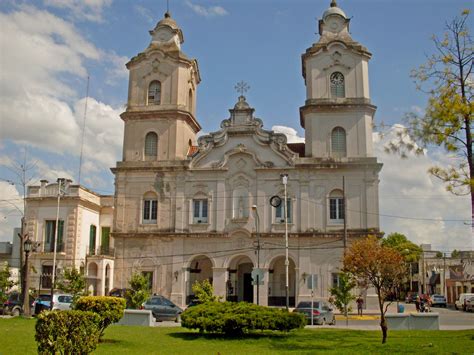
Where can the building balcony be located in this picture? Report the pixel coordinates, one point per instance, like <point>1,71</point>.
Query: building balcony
<point>101,251</point>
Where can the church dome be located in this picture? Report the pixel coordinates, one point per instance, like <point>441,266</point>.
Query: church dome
<point>168,21</point>
<point>334,10</point>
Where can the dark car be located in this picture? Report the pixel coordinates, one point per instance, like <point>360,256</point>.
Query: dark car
<point>322,312</point>
<point>13,305</point>
<point>411,297</point>
<point>118,292</point>
<point>438,301</point>
<point>163,309</point>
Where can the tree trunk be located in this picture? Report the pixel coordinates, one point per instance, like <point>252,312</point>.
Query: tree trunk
<point>383,321</point>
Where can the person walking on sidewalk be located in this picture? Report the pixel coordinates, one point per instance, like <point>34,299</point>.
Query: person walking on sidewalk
<point>360,304</point>
<point>417,303</point>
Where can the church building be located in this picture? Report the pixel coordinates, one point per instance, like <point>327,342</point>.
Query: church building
<point>189,208</point>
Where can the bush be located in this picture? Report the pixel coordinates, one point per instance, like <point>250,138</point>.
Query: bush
<point>236,319</point>
<point>204,292</point>
<point>138,291</point>
<point>67,332</point>
<point>109,309</point>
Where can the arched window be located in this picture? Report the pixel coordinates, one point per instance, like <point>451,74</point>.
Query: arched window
<point>154,93</point>
<point>151,146</point>
<point>337,85</point>
<point>150,208</point>
<point>338,142</point>
<point>190,100</point>
<point>336,206</point>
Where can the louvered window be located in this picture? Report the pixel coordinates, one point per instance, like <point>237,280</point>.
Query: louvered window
<point>154,93</point>
<point>337,85</point>
<point>338,142</point>
<point>151,145</point>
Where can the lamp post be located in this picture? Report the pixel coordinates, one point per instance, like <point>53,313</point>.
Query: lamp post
<point>257,230</point>
<point>27,246</point>
<point>284,179</point>
<point>61,191</point>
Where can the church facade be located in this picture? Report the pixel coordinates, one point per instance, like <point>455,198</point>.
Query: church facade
<point>188,208</point>
<point>213,208</point>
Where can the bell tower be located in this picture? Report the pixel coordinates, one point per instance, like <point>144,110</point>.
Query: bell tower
<point>337,115</point>
<point>160,120</point>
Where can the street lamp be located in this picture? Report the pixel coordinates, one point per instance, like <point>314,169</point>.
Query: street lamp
<point>284,180</point>
<point>27,247</point>
<point>61,191</point>
<point>257,231</point>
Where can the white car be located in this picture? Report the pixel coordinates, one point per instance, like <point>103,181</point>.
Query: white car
<point>61,302</point>
<point>461,302</point>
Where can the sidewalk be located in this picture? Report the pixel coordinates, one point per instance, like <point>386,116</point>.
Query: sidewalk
<point>392,308</point>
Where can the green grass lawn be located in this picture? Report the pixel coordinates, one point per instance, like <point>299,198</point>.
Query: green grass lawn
<point>17,337</point>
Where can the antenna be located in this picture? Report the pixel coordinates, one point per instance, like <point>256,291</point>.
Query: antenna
<point>83,132</point>
<point>167,6</point>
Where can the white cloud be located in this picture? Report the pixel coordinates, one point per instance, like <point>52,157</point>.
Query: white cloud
<point>89,10</point>
<point>291,134</point>
<point>116,71</point>
<point>11,209</point>
<point>407,190</point>
<point>209,11</point>
<point>37,106</point>
<point>144,12</point>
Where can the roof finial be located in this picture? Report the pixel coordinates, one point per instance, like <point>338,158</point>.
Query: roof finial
<point>333,3</point>
<point>167,13</point>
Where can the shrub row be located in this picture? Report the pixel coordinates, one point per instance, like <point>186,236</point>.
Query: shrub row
<point>67,332</point>
<point>110,309</point>
<point>77,331</point>
<point>235,319</point>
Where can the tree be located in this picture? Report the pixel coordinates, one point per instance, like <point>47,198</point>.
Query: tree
<point>204,292</point>
<point>455,253</point>
<point>381,266</point>
<point>439,254</point>
<point>73,282</point>
<point>410,251</point>
<point>139,291</point>
<point>448,117</point>
<point>342,293</point>
<point>5,282</point>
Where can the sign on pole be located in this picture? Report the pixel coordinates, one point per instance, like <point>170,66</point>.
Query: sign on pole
<point>257,274</point>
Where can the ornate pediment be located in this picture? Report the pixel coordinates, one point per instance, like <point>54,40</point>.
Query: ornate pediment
<point>244,126</point>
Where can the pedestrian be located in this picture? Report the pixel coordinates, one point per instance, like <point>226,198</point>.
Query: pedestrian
<point>417,303</point>
<point>360,304</point>
<point>428,303</point>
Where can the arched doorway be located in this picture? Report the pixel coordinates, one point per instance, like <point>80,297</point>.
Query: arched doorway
<point>277,282</point>
<point>107,280</point>
<point>200,269</point>
<point>92,272</point>
<point>239,281</point>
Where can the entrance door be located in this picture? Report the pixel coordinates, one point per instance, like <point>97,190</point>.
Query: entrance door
<point>248,288</point>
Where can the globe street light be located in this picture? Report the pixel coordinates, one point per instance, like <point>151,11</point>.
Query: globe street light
<point>27,247</point>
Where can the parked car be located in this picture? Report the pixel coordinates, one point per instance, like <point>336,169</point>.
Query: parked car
<point>322,312</point>
<point>461,302</point>
<point>470,304</point>
<point>61,302</point>
<point>163,309</point>
<point>13,305</point>
<point>411,297</point>
<point>438,301</point>
<point>118,292</point>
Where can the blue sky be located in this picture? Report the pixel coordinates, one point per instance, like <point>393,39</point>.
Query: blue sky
<point>49,47</point>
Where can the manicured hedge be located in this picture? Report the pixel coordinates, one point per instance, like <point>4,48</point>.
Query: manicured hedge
<point>233,318</point>
<point>67,332</point>
<point>109,309</point>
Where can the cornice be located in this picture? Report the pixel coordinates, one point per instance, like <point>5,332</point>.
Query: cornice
<point>131,115</point>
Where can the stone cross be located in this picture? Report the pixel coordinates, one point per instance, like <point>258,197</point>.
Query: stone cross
<point>242,87</point>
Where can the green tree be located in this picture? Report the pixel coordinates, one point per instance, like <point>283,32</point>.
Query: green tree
<point>138,292</point>
<point>342,293</point>
<point>73,282</point>
<point>5,282</point>
<point>439,254</point>
<point>447,121</point>
<point>410,251</point>
<point>204,292</point>
<point>455,253</point>
<point>382,267</point>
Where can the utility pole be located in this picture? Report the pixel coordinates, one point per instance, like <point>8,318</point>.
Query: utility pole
<point>257,230</point>
<point>445,293</point>
<point>344,201</point>
<point>61,181</point>
<point>284,178</point>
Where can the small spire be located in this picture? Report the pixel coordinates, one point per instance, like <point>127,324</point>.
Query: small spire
<point>167,14</point>
<point>333,3</point>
